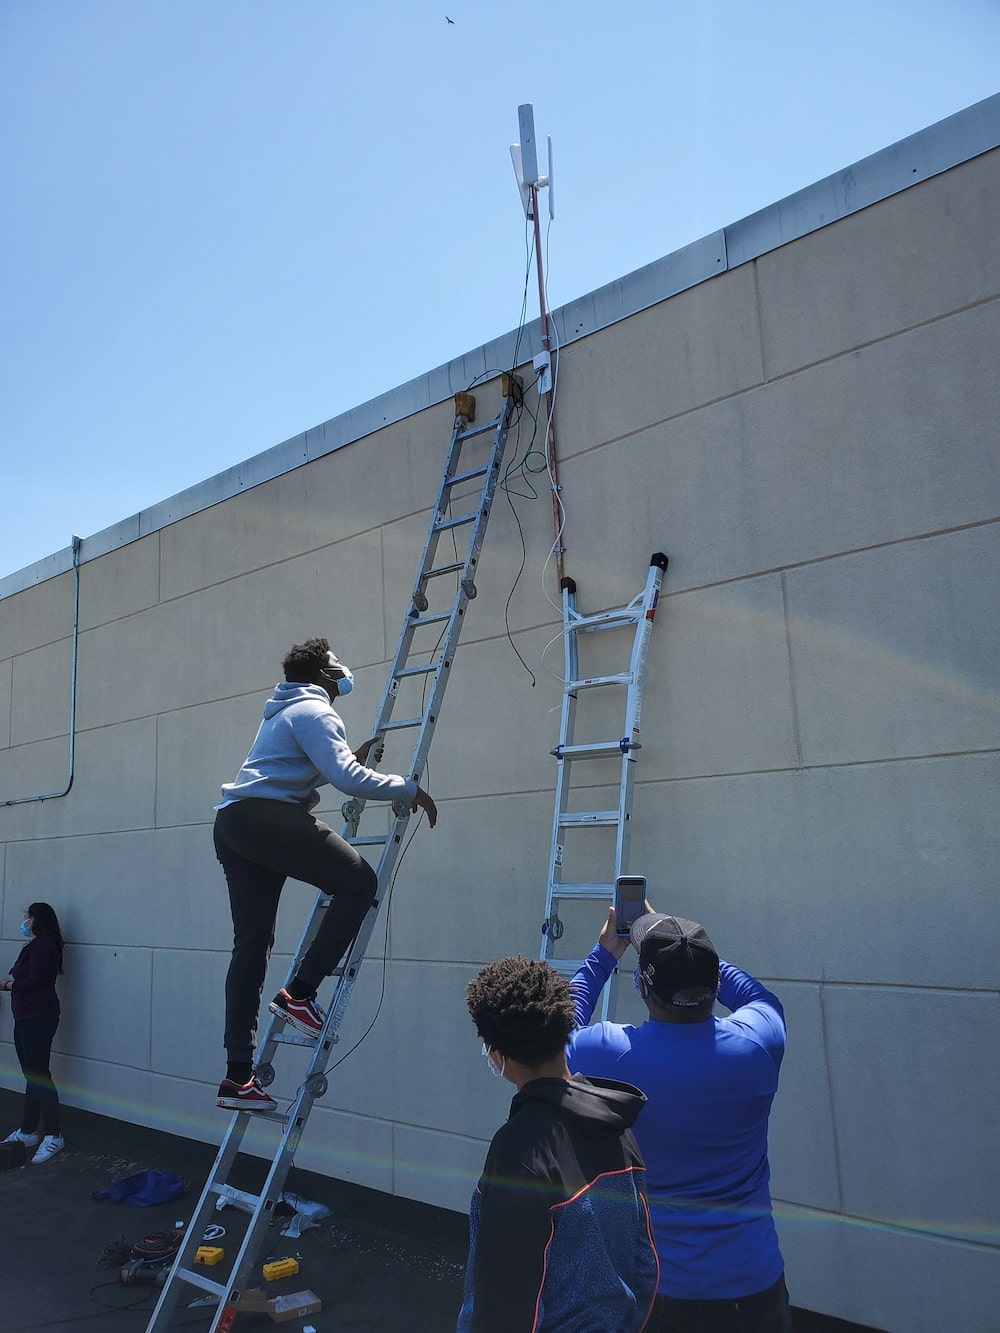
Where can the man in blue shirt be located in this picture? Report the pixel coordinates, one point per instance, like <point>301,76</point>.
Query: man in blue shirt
<point>709,1084</point>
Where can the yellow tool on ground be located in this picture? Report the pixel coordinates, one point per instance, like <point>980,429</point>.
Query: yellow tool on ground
<point>208,1254</point>
<point>280,1268</point>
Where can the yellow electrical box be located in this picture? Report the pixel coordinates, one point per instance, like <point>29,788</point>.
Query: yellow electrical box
<point>208,1254</point>
<point>280,1268</point>
<point>465,406</point>
<point>511,385</point>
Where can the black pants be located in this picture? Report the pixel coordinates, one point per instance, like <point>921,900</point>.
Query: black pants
<point>260,843</point>
<point>33,1044</point>
<point>763,1312</point>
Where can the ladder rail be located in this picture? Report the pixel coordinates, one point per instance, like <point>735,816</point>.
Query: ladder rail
<point>315,1082</point>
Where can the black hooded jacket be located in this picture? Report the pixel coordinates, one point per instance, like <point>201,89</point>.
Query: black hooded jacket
<point>559,1225</point>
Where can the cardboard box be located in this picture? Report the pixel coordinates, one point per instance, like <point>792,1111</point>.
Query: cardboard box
<point>293,1305</point>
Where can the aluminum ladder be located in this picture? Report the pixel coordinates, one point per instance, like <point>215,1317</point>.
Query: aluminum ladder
<point>420,667</point>
<point>636,616</point>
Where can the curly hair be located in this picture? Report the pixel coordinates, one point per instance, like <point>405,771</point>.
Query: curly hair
<point>305,661</point>
<point>45,922</point>
<point>522,1008</point>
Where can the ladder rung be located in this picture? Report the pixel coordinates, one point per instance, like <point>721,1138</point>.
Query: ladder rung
<point>239,1198</point>
<point>435,619</point>
<point>597,750</point>
<point>402,724</point>
<point>446,524</point>
<point>606,620</point>
<point>444,569</point>
<point>465,476</point>
<point>566,966</point>
<point>202,1280</point>
<point>286,1036</point>
<point>419,670</point>
<point>370,840</point>
<point>621,678</point>
<point>586,818</point>
<point>478,430</point>
<point>603,891</point>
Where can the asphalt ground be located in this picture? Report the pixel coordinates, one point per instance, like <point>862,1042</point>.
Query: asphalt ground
<point>377,1263</point>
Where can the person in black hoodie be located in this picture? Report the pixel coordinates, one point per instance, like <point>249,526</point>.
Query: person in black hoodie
<point>559,1226</point>
<point>35,1007</point>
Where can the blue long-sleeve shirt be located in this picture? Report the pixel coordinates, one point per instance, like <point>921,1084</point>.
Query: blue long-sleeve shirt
<point>703,1131</point>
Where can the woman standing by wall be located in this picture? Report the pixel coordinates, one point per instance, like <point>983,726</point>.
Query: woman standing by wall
<point>35,1007</point>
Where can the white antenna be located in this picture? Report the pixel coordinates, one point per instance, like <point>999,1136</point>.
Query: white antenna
<point>525,160</point>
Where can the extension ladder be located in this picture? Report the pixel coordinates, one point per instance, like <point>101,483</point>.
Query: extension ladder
<point>636,616</point>
<point>421,666</point>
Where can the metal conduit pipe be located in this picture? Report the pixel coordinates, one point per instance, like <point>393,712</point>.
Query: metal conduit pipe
<point>53,795</point>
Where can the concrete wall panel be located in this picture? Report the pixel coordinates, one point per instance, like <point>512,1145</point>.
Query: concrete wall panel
<point>679,355</point>
<point>113,784</point>
<point>856,860</point>
<point>855,282</point>
<point>40,693</point>
<point>186,1013</point>
<point>357,1148</point>
<point>128,890</point>
<point>442,1169</point>
<point>875,447</point>
<point>890,1279</point>
<point>476,883</point>
<point>105,998</point>
<point>896,1059</point>
<point>6,676</point>
<point>39,615</point>
<point>197,750</point>
<point>802,1138</point>
<point>896,651</point>
<point>719,683</point>
<point>487,683</point>
<point>344,494</point>
<point>29,771</point>
<point>261,614</point>
<point>120,583</point>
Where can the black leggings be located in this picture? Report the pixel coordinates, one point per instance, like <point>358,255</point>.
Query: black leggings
<point>260,843</point>
<point>33,1044</point>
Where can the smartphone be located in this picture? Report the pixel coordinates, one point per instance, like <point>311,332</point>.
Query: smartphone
<point>630,901</point>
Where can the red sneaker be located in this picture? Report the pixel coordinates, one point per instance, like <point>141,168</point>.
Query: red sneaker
<point>304,1016</point>
<point>248,1097</point>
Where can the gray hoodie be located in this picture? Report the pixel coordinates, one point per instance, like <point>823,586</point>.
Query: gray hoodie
<point>300,746</point>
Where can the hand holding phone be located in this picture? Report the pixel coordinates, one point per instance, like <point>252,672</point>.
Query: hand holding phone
<point>630,901</point>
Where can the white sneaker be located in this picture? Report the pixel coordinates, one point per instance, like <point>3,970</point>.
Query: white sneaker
<point>50,1145</point>
<point>29,1140</point>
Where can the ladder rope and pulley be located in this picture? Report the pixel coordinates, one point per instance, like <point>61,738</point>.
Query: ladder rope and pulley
<point>458,489</point>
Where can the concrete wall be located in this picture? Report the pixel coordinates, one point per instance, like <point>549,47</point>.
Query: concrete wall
<point>812,438</point>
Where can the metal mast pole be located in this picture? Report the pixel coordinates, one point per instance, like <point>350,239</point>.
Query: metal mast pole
<point>550,426</point>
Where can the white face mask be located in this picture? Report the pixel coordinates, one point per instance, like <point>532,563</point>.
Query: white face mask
<point>497,1073</point>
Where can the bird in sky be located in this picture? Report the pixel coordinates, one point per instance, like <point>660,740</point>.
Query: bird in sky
<point>451,21</point>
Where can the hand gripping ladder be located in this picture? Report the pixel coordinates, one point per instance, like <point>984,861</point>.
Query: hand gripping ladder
<point>427,679</point>
<point>636,616</point>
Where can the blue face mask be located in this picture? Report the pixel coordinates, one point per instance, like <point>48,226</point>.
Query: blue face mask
<point>26,930</point>
<point>346,684</point>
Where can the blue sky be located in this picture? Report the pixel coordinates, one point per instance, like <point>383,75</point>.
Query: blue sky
<point>225,221</point>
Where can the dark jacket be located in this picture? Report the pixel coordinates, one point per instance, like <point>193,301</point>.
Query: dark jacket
<point>33,994</point>
<point>559,1226</point>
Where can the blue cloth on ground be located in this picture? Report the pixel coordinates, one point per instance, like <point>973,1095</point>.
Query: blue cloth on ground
<point>143,1189</point>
